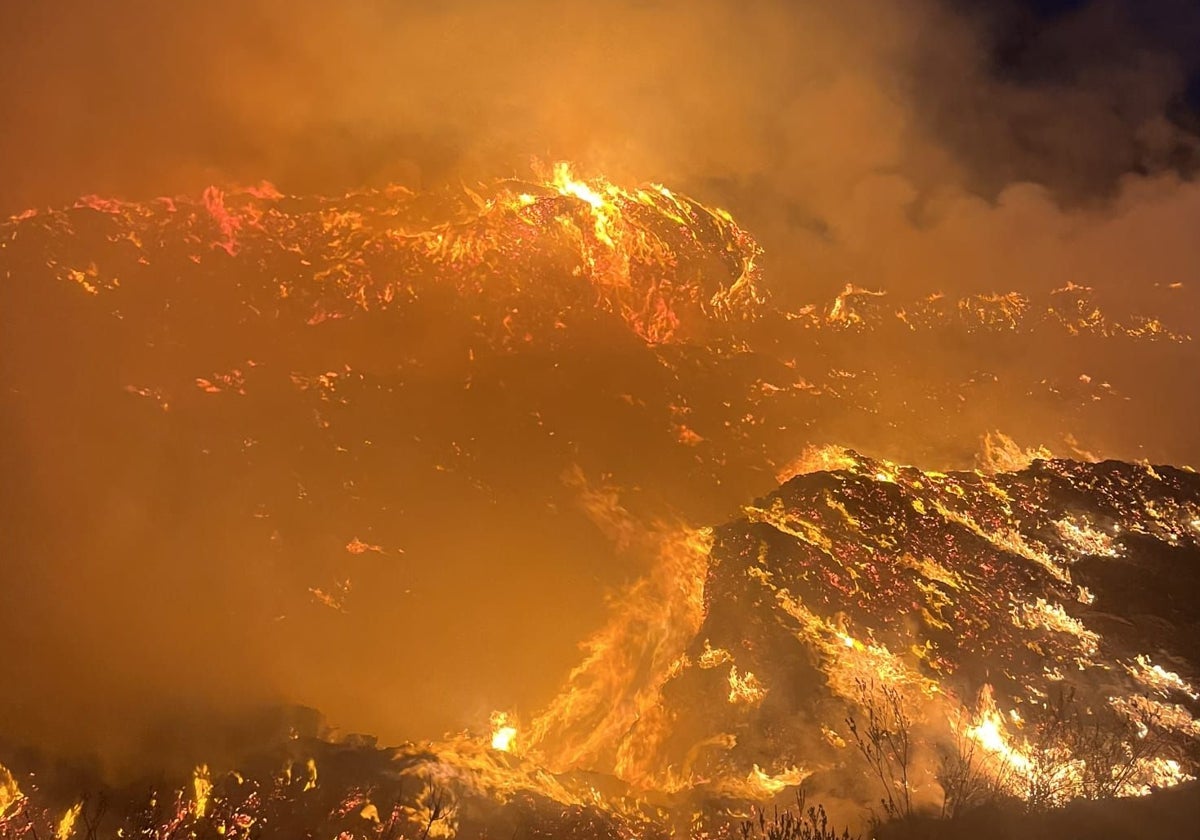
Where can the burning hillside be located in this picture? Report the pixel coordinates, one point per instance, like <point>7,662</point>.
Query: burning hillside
<point>1037,623</point>
<point>982,600</point>
<point>361,452</point>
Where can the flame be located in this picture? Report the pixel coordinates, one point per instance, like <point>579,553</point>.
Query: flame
<point>712,657</point>
<point>10,793</point>
<point>991,733</point>
<point>1159,679</point>
<point>769,784</point>
<point>201,790</point>
<point>745,688</point>
<point>1054,618</point>
<point>566,184</point>
<point>503,732</point>
<point>637,248</point>
<point>1086,539</point>
<point>66,825</point>
<point>817,459</point>
<point>609,715</point>
<point>1002,595</point>
<point>843,313</point>
<point>1000,453</point>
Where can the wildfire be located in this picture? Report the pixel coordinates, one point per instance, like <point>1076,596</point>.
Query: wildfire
<point>10,793</point>
<point>770,784</point>
<point>745,688</point>
<point>990,732</point>
<point>604,210</point>
<point>858,571</point>
<point>66,826</point>
<point>632,247</point>
<point>1159,679</point>
<point>503,732</point>
<point>201,790</point>
<point>609,715</point>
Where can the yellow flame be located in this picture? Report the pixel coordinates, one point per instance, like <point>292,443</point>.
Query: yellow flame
<point>66,825</point>
<point>712,657</point>
<point>566,184</point>
<point>990,732</point>
<point>614,697</point>
<point>603,211</point>
<point>201,789</point>
<point>1000,453</point>
<point>1086,539</point>
<point>745,688</point>
<point>772,784</point>
<point>818,459</point>
<point>503,732</point>
<point>10,792</point>
<point>1159,679</point>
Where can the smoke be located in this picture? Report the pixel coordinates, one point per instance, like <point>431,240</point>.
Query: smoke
<point>915,147</point>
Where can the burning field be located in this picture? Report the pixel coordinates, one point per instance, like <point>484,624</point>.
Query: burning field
<point>631,420</point>
<point>297,423</point>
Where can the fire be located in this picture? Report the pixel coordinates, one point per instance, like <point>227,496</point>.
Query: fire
<point>637,248</point>
<point>817,459</point>
<point>745,688</point>
<point>1086,539</point>
<point>503,732</point>
<point>843,311</point>
<point>770,784</point>
<point>10,793</point>
<point>568,185</point>
<point>872,569</point>
<point>991,733</point>
<point>1000,453</point>
<point>202,787</point>
<point>613,698</point>
<point>66,825</point>
<point>1054,618</point>
<point>603,210</point>
<point>712,657</point>
<point>1159,679</point>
